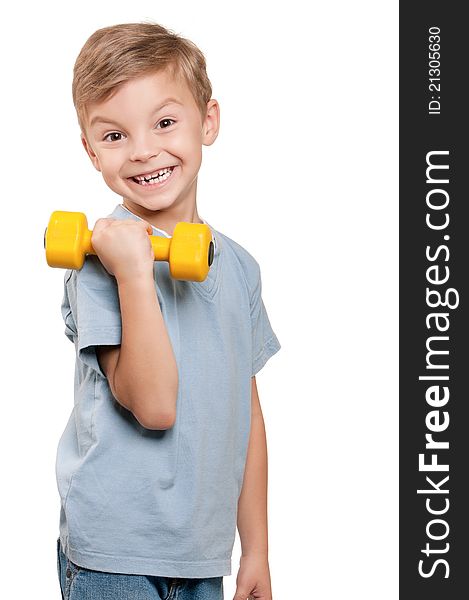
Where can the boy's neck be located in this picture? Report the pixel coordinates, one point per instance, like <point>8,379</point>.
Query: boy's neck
<point>162,219</point>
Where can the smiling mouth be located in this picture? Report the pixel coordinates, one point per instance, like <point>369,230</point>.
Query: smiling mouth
<point>155,177</point>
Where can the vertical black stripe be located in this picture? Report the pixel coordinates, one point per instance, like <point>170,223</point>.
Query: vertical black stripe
<point>434,247</point>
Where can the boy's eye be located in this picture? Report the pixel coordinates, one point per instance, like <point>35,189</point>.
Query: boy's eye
<point>166,121</point>
<point>111,137</point>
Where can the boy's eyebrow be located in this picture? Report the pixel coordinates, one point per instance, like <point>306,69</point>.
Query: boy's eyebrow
<point>98,118</point>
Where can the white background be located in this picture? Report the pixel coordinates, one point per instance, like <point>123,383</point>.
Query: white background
<point>304,176</point>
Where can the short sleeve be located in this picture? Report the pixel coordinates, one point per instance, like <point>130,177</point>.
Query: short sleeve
<point>66,309</point>
<point>264,341</point>
<point>91,310</point>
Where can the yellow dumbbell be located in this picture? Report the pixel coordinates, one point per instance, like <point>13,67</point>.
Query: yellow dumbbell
<point>189,252</point>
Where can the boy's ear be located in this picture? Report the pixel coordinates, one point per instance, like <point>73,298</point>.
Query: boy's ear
<point>89,151</point>
<point>211,125</point>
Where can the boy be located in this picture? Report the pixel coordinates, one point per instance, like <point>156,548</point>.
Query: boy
<point>164,452</point>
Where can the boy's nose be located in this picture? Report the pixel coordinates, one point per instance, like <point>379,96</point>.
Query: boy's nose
<point>143,155</point>
<point>143,151</point>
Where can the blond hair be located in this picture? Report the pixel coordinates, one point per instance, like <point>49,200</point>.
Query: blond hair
<point>116,54</point>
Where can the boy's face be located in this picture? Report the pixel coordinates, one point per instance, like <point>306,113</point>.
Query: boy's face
<point>132,135</point>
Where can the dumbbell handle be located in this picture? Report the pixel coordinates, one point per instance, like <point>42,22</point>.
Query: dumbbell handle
<point>159,244</point>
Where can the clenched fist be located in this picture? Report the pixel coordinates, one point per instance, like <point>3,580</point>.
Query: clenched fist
<point>123,247</point>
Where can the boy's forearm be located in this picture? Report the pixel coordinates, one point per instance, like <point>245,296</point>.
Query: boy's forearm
<point>252,503</point>
<point>146,373</point>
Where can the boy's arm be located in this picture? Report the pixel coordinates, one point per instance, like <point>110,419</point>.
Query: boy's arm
<point>142,371</point>
<point>252,503</point>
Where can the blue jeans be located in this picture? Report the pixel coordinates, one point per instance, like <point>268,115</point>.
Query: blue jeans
<point>78,583</point>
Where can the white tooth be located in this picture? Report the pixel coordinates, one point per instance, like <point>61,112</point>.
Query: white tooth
<point>162,174</point>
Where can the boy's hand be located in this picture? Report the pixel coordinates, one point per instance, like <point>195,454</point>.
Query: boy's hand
<point>253,580</point>
<point>123,247</point>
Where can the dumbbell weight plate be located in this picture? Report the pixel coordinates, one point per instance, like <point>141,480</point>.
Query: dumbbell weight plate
<point>67,239</point>
<point>191,251</point>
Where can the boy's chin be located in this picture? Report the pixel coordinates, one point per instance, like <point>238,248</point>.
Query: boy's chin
<point>149,204</point>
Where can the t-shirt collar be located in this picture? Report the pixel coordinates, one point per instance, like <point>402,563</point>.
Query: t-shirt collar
<point>123,208</point>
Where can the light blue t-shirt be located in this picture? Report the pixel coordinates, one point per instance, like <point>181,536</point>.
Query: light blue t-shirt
<point>162,502</point>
